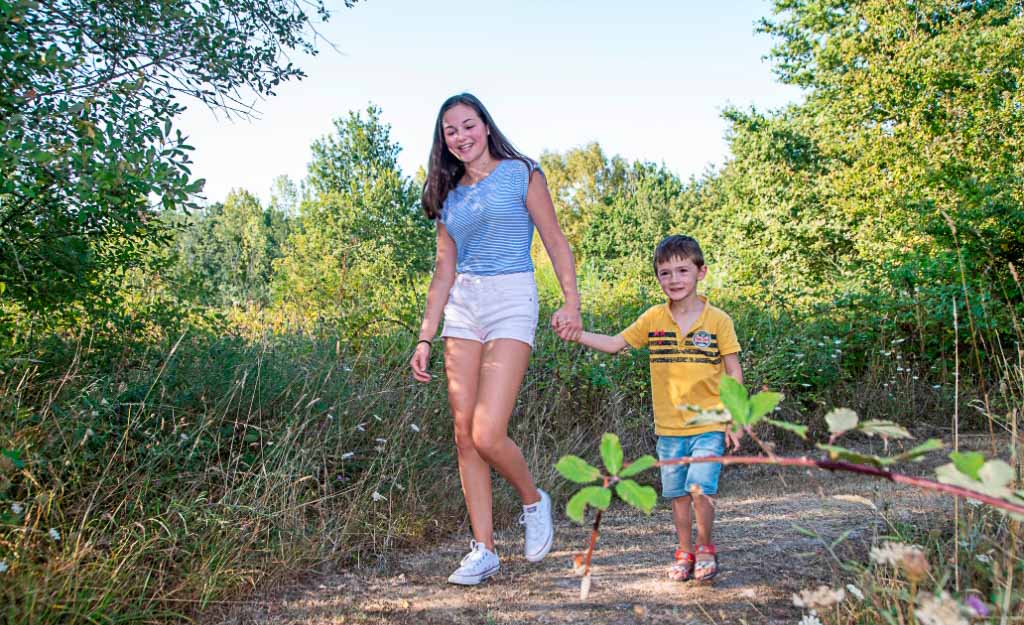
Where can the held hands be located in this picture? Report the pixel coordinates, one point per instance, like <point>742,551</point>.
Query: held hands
<point>567,323</point>
<point>420,361</point>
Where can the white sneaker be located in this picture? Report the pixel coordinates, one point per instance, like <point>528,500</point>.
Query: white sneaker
<point>540,533</point>
<point>479,564</point>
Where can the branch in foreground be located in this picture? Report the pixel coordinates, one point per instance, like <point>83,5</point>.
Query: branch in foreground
<point>835,465</point>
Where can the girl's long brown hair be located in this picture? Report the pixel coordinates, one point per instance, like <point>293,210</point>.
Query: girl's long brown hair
<point>444,170</point>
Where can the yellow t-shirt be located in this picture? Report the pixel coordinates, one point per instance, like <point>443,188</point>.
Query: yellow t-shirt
<point>684,371</point>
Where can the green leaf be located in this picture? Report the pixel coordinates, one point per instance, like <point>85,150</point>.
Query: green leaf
<point>734,398</point>
<point>577,469</point>
<point>642,497</point>
<point>611,453</point>
<point>996,473</point>
<point>968,462</point>
<point>885,429</point>
<point>799,430</point>
<point>842,453</point>
<point>14,456</point>
<point>763,403</point>
<point>841,420</point>
<point>597,496</point>
<point>918,452</point>
<point>639,465</point>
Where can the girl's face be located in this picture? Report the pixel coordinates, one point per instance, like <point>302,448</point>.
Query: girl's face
<point>465,134</point>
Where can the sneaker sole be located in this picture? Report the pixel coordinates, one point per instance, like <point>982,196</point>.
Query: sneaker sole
<point>543,552</point>
<point>473,581</point>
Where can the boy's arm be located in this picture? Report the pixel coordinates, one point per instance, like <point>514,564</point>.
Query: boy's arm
<point>732,368</point>
<point>603,342</point>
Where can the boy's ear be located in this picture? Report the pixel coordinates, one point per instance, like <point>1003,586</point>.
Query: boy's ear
<point>703,271</point>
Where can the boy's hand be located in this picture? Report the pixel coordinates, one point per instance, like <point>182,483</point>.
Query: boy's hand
<point>567,323</point>
<point>733,439</point>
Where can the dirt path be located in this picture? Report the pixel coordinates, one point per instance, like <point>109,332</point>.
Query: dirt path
<point>764,557</point>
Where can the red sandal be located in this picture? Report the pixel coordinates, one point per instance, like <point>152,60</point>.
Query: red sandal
<point>682,569</point>
<point>706,570</point>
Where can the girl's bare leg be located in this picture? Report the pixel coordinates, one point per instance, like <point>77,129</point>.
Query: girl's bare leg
<point>502,368</point>
<point>462,365</point>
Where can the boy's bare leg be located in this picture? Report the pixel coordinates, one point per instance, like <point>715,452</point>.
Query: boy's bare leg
<point>683,518</point>
<point>462,365</point>
<point>704,507</point>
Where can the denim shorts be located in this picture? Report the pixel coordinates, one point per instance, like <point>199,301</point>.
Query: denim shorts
<point>484,308</point>
<point>678,480</point>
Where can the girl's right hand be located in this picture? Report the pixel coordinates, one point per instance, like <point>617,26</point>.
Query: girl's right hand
<point>420,362</point>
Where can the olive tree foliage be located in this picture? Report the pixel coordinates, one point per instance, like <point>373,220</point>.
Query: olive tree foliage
<point>362,248</point>
<point>88,95</point>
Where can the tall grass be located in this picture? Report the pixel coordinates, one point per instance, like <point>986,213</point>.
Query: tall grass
<point>181,472</point>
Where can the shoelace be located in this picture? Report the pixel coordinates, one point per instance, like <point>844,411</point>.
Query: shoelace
<point>475,552</point>
<point>532,523</point>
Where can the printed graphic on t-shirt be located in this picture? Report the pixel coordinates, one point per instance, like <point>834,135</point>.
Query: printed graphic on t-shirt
<point>698,347</point>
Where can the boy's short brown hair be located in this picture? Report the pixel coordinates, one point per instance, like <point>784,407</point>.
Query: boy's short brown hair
<point>678,246</point>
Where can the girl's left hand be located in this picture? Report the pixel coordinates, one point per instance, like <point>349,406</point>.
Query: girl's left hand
<point>567,323</point>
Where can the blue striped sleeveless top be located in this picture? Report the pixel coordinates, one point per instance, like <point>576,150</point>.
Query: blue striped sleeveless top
<point>489,222</point>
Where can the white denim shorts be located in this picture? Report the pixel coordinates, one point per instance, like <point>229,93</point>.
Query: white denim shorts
<point>484,308</point>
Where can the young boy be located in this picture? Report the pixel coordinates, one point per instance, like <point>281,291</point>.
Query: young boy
<point>691,344</point>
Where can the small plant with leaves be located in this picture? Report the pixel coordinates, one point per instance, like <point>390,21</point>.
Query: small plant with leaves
<point>970,475</point>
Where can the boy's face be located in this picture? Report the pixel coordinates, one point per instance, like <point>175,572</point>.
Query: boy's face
<point>678,278</point>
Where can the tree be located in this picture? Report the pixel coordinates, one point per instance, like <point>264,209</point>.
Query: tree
<point>88,97</point>
<point>225,253</point>
<point>362,243</point>
<point>917,106</point>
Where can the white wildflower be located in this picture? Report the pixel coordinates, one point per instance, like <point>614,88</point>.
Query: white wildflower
<point>941,610</point>
<point>3,566</point>
<point>984,559</point>
<point>330,416</point>
<point>54,534</point>
<point>909,558</point>
<point>17,508</point>
<point>810,619</point>
<point>184,438</point>
<point>936,386</point>
<point>853,590</point>
<point>414,427</point>
<point>892,553</point>
<point>381,440</point>
<point>347,455</point>
<point>378,497</point>
<point>361,427</point>
<point>820,597</point>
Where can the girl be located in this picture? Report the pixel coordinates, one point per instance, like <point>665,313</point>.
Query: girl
<point>487,198</point>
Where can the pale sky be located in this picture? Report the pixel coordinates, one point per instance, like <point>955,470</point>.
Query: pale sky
<point>646,79</point>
